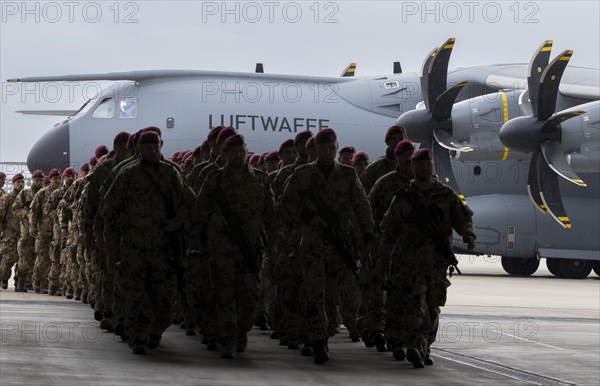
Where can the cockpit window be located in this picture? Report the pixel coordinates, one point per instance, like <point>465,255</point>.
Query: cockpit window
<point>85,107</point>
<point>106,109</point>
<point>128,108</point>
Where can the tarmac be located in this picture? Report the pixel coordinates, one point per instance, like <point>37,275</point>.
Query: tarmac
<point>495,329</point>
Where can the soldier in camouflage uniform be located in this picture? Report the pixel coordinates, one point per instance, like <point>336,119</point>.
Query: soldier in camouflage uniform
<point>417,282</point>
<point>211,139</point>
<point>52,210</point>
<point>346,154</point>
<point>2,182</point>
<point>360,161</point>
<point>235,192</point>
<point>26,244</point>
<point>140,200</point>
<point>372,311</point>
<point>385,164</point>
<point>9,232</point>
<point>337,187</point>
<point>41,229</point>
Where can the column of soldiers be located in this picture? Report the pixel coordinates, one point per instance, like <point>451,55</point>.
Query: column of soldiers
<point>219,239</point>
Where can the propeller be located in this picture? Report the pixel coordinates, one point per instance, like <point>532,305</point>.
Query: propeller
<point>432,126</point>
<point>540,134</point>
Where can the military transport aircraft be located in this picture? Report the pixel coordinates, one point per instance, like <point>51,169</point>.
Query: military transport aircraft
<point>459,114</point>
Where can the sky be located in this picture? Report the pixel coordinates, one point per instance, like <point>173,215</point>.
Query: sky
<point>289,37</point>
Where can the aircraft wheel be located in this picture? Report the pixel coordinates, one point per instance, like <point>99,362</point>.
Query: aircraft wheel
<point>554,267</point>
<point>520,266</point>
<point>575,269</point>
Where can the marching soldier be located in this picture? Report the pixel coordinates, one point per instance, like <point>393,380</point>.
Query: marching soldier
<point>236,204</point>
<point>326,197</point>
<point>10,231</point>
<point>417,237</point>
<point>386,163</point>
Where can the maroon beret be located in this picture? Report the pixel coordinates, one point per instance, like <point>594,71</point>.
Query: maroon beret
<point>213,134</point>
<point>85,167</point>
<point>325,136</point>
<point>187,163</point>
<point>403,146</point>
<point>232,141</point>
<point>347,149</point>
<point>176,156</point>
<point>310,142</point>
<point>100,151</point>
<point>46,180</point>
<point>197,151</point>
<point>93,161</point>
<point>272,156</point>
<point>39,174</point>
<point>111,154</point>
<point>254,158</point>
<point>393,130</point>
<point>422,154</point>
<point>204,146</point>
<point>17,177</point>
<point>224,134</point>
<point>122,137</point>
<point>2,175</point>
<point>69,171</point>
<point>151,128</point>
<point>149,137</point>
<point>54,173</point>
<point>360,157</point>
<point>286,144</point>
<point>303,135</point>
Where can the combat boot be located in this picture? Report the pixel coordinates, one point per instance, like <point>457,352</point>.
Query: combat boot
<point>53,291</point>
<point>228,346</point>
<point>428,361</point>
<point>414,357</point>
<point>107,324</point>
<point>379,342</point>
<point>153,342</point>
<point>320,354</point>
<point>242,343</point>
<point>120,328</point>
<point>399,354</point>
<point>4,284</point>
<point>78,293</point>
<point>84,297</point>
<point>354,336</point>
<point>293,344</point>
<point>20,287</point>
<point>212,345</point>
<point>366,338</point>
<point>98,315</point>
<point>139,348</point>
<point>191,331</point>
<point>262,321</point>
<point>37,290</point>
<point>283,341</point>
<point>69,294</point>
<point>307,350</point>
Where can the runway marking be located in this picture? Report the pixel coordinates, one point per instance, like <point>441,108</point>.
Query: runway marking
<point>510,372</point>
<point>532,341</point>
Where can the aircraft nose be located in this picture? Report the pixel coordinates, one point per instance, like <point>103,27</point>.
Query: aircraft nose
<point>51,150</point>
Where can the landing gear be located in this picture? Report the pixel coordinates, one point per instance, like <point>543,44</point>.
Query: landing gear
<point>520,266</point>
<point>569,268</point>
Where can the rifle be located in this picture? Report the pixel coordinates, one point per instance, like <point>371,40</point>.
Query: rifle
<point>333,232</point>
<point>234,231</point>
<point>428,223</point>
<point>177,243</point>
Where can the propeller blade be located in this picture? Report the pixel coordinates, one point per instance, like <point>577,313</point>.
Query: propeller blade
<point>550,192</point>
<point>538,63</point>
<point>533,188</point>
<point>424,70</point>
<point>442,108</point>
<point>556,160</point>
<point>549,82</point>
<point>397,68</point>
<point>443,168</point>
<point>445,140</point>
<point>437,74</point>
<point>259,68</point>
<point>349,71</point>
<point>552,123</point>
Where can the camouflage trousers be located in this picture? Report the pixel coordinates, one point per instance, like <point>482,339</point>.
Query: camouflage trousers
<point>9,253</point>
<point>54,279</point>
<point>237,292</point>
<point>41,267</point>
<point>26,249</point>
<point>144,281</point>
<point>70,265</point>
<point>291,296</point>
<point>371,312</point>
<point>201,296</point>
<point>82,278</point>
<point>350,302</point>
<point>324,278</point>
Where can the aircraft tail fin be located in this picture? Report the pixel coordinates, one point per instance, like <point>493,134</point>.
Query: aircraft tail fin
<point>349,71</point>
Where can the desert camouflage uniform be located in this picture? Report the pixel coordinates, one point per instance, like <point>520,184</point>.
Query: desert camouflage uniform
<point>137,201</point>
<point>417,283</point>
<point>51,209</point>
<point>249,195</point>
<point>324,271</point>
<point>40,221</point>
<point>9,231</point>
<point>377,169</point>
<point>26,244</point>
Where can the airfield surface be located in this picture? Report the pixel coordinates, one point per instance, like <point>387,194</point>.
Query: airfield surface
<point>495,329</point>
